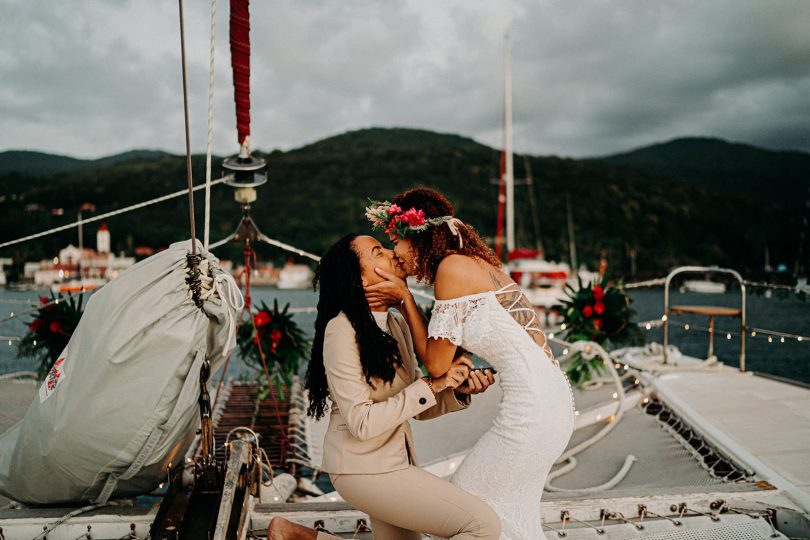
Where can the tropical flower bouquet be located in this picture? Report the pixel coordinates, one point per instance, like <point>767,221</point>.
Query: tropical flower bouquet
<point>273,335</point>
<point>600,312</point>
<point>48,333</point>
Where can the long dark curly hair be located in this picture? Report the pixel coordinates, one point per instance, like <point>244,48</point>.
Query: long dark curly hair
<point>435,243</point>
<point>341,290</point>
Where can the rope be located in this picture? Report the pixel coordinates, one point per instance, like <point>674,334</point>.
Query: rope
<point>572,463</point>
<point>188,139</point>
<point>648,283</point>
<point>594,349</point>
<point>106,215</point>
<point>210,127</point>
<point>240,62</point>
<point>288,247</point>
<point>44,534</point>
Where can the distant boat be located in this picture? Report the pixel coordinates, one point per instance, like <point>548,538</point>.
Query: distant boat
<point>78,285</point>
<point>295,276</point>
<point>702,286</point>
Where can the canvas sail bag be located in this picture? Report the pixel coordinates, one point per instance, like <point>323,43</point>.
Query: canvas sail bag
<point>120,404</point>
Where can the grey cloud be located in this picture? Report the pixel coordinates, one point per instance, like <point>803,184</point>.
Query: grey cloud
<point>590,77</point>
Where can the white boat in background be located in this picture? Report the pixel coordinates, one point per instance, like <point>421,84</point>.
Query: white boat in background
<point>703,286</point>
<point>295,276</point>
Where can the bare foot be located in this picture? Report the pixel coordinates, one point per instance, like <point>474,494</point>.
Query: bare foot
<point>281,529</point>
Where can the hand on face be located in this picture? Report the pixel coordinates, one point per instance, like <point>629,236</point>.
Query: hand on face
<point>379,268</point>
<point>391,291</point>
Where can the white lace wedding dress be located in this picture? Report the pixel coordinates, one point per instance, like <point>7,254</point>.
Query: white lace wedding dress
<point>508,466</point>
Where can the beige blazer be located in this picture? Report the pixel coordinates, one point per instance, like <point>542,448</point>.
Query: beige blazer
<point>368,427</point>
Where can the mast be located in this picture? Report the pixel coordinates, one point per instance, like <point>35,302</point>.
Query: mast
<point>508,175</point>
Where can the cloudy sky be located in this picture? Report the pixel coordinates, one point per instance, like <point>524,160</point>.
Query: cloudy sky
<point>591,77</point>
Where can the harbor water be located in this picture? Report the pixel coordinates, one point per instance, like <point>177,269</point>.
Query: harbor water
<point>789,359</point>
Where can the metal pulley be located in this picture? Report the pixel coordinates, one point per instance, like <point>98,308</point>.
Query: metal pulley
<point>244,174</point>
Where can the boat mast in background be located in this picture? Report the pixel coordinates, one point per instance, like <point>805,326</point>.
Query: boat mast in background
<point>509,171</point>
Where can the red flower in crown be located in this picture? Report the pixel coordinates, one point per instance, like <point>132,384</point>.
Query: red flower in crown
<point>262,318</point>
<point>412,217</point>
<point>598,292</point>
<point>43,300</point>
<point>599,307</point>
<point>587,311</point>
<point>394,209</point>
<point>56,327</point>
<point>598,324</point>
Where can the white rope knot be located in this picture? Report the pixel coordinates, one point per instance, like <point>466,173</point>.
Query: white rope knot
<point>453,224</point>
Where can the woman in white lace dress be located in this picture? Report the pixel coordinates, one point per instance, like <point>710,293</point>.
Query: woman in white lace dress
<point>480,309</point>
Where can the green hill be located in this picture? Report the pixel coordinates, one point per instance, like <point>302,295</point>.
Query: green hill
<point>665,202</point>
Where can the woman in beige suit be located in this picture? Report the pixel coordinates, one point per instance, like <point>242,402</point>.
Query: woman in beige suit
<point>364,362</point>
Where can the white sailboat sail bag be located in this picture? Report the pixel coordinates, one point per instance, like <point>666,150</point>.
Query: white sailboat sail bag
<point>121,402</point>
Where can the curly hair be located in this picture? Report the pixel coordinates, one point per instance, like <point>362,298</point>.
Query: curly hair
<point>341,290</point>
<point>435,243</point>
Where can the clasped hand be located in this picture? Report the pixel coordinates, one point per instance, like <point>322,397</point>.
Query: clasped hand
<point>464,378</point>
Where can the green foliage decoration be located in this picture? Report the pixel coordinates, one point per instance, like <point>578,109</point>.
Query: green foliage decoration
<point>600,312</point>
<point>274,334</point>
<point>49,332</point>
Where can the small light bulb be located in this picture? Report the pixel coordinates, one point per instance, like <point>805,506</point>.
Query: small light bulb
<point>782,340</point>
<point>728,336</point>
<point>686,327</point>
<point>648,326</point>
<point>562,326</point>
<point>565,352</point>
<point>770,339</point>
<point>615,395</point>
<point>625,366</point>
<point>618,366</point>
<point>12,314</point>
<point>799,338</point>
<point>551,336</point>
<point>753,333</point>
<point>664,317</point>
<point>576,413</point>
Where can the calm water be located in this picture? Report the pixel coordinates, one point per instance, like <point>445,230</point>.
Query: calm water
<point>790,359</point>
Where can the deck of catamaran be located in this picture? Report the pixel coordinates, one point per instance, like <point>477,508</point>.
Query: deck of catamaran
<point>691,450</point>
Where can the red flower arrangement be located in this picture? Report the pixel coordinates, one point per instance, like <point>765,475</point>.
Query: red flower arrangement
<point>598,312</point>
<point>274,335</point>
<point>55,320</point>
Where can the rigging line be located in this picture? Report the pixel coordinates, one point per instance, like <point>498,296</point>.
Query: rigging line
<point>210,127</point>
<point>188,140</point>
<point>107,214</point>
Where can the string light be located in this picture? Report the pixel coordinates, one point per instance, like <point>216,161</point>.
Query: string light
<point>686,327</point>
<point>565,352</point>
<point>728,336</point>
<point>664,317</point>
<point>754,333</point>
<point>770,339</point>
<point>551,336</point>
<point>648,326</point>
<point>782,339</point>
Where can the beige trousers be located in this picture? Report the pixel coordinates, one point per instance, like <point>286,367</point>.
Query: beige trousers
<point>404,504</point>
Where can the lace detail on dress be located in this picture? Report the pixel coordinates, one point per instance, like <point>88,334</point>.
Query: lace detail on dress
<point>449,317</point>
<point>514,301</point>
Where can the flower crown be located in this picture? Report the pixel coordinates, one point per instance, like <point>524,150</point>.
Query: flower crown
<point>390,218</point>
